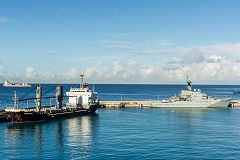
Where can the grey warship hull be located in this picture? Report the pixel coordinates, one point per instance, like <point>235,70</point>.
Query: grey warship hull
<point>218,103</point>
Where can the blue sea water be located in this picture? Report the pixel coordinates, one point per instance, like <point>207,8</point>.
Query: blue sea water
<point>126,133</point>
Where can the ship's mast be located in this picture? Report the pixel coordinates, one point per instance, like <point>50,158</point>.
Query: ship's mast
<point>15,100</point>
<point>189,87</point>
<point>59,96</point>
<point>81,76</point>
<point>38,97</point>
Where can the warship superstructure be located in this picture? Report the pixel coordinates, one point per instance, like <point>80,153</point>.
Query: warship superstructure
<point>189,98</point>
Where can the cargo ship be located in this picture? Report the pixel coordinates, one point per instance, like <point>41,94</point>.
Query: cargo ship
<point>81,101</point>
<point>8,84</point>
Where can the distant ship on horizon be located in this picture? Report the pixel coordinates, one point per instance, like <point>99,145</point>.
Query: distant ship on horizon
<point>8,84</point>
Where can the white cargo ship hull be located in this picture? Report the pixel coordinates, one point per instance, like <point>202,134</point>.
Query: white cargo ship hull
<point>218,103</point>
<point>8,84</point>
<point>17,85</point>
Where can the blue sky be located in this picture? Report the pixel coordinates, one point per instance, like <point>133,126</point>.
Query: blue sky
<point>124,41</point>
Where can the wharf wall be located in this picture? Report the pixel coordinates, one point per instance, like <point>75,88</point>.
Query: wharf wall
<point>125,104</point>
<point>143,104</point>
<point>235,103</point>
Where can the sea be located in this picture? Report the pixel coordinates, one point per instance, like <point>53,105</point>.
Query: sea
<point>126,133</point>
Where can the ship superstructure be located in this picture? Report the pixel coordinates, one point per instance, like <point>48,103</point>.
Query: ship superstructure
<point>82,97</point>
<point>189,98</point>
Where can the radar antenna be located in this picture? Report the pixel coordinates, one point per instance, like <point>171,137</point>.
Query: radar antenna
<point>81,76</point>
<point>189,87</point>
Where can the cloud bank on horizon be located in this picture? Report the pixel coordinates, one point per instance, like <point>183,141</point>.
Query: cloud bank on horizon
<point>214,64</point>
<point>120,41</point>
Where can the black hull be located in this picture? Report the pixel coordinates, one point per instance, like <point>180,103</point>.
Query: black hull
<point>5,118</point>
<point>23,117</point>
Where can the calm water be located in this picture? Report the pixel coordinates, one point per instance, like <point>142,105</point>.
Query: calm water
<point>127,133</point>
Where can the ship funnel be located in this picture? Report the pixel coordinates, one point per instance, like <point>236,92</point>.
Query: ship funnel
<point>59,96</point>
<point>38,97</point>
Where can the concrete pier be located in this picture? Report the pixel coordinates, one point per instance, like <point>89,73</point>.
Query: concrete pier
<point>235,103</point>
<point>125,104</point>
<point>142,104</point>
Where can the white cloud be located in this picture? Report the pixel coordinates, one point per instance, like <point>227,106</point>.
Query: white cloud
<point>1,67</point>
<point>3,20</point>
<point>146,72</point>
<point>192,57</point>
<point>227,49</point>
<point>117,67</point>
<point>30,73</point>
<point>48,76</point>
<point>218,71</point>
<point>132,62</point>
<point>179,73</point>
<point>171,51</point>
<point>215,71</point>
<point>204,64</point>
<point>128,74</point>
<point>1,74</point>
<point>164,43</point>
<point>175,62</point>
<point>116,44</point>
<point>215,58</point>
<point>35,77</point>
<point>221,49</point>
<point>72,74</point>
<point>236,71</point>
<point>223,71</point>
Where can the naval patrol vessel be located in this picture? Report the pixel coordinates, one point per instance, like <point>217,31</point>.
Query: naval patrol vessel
<point>189,98</point>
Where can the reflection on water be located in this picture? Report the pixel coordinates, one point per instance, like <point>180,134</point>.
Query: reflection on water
<point>191,111</point>
<point>185,121</point>
<point>79,136</point>
<point>128,134</point>
<point>191,116</point>
<point>59,136</point>
<point>71,136</point>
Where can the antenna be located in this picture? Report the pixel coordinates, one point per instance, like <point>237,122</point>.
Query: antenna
<point>81,76</point>
<point>189,88</point>
<point>188,80</point>
<point>93,88</point>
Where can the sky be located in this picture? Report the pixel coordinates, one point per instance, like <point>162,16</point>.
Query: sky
<point>120,41</point>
